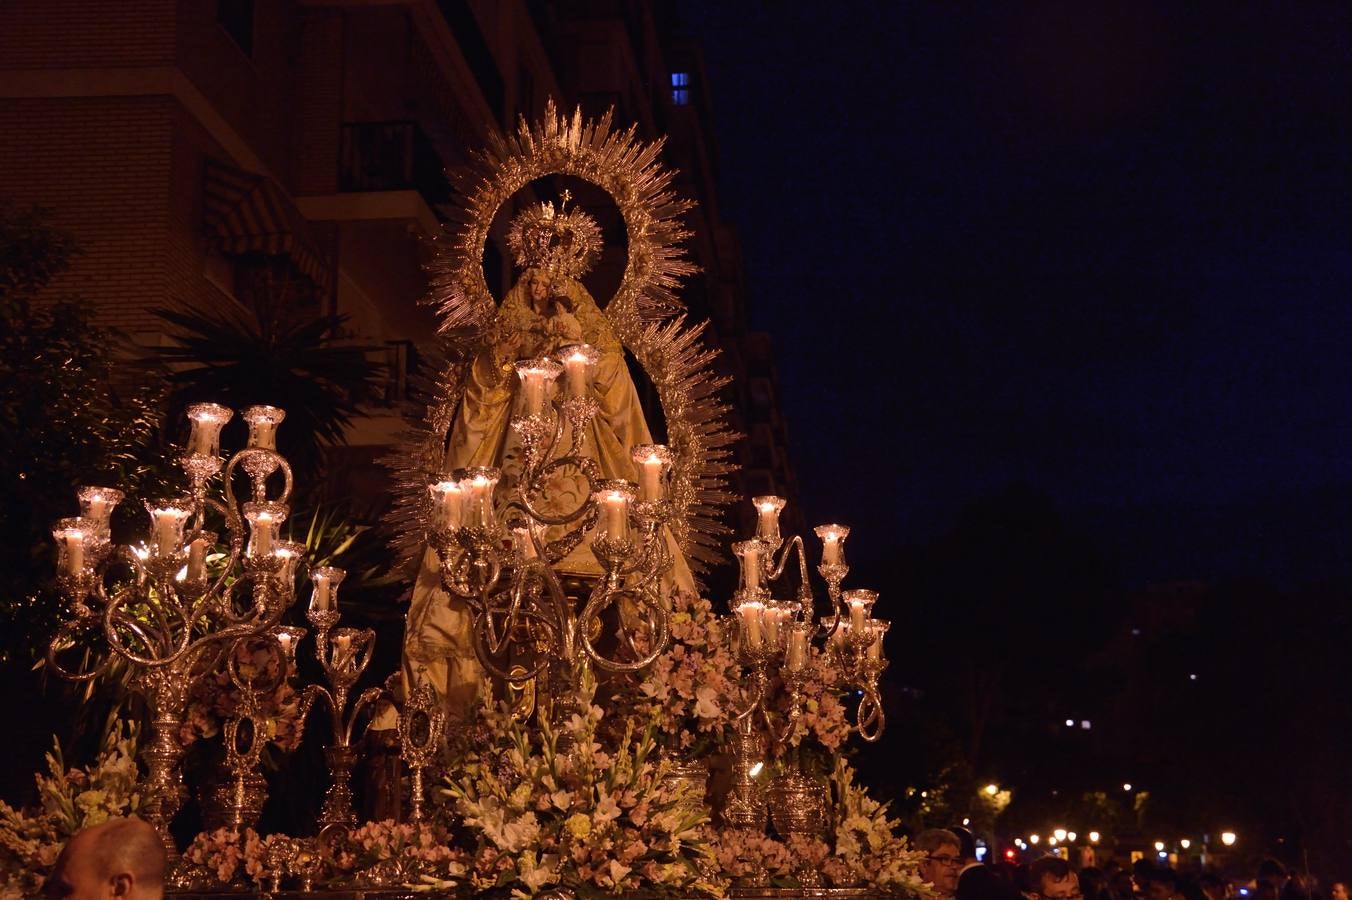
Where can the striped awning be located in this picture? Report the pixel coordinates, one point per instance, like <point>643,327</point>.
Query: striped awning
<point>246,213</point>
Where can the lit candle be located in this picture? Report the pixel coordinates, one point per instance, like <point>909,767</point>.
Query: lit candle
<point>263,422</point>
<point>260,535</point>
<point>749,555</point>
<point>197,558</point>
<point>448,505</point>
<point>167,520</point>
<point>97,504</point>
<point>325,581</point>
<point>288,637</point>
<point>290,553</point>
<point>70,534</point>
<point>578,361</point>
<point>478,484</point>
<point>767,519</point>
<point>751,613</point>
<point>860,603</point>
<point>615,506</point>
<point>833,543</point>
<point>773,617</point>
<point>796,657</point>
<point>652,461</point>
<point>207,421</point>
<point>536,375</point>
<point>342,650</point>
<point>877,628</point>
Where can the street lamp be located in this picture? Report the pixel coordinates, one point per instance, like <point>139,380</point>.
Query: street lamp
<point>1228,838</point>
<point>1033,839</point>
<point>1093,837</point>
<point>1060,834</point>
<point>1185,843</point>
<point>1159,845</point>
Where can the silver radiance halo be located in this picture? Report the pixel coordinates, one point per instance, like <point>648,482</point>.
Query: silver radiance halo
<point>645,313</point>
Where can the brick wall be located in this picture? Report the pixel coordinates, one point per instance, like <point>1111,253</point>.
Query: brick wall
<point>319,101</point>
<point>61,34</point>
<point>103,166</point>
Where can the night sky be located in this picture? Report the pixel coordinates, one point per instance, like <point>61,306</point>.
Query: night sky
<point>1100,252</point>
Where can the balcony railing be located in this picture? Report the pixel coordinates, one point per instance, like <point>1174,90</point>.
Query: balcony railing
<point>390,156</point>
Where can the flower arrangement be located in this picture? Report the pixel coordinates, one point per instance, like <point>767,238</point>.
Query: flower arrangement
<point>69,799</point>
<point>865,848</point>
<point>215,698</point>
<point>384,854</point>
<point>545,809</point>
<point>689,688</point>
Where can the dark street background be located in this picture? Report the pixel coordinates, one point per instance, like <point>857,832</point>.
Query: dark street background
<point>1059,296</point>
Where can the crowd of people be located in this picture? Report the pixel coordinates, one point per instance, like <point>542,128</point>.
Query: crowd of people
<point>951,865</point>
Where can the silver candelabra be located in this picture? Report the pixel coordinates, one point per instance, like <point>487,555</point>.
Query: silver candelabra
<point>170,606</point>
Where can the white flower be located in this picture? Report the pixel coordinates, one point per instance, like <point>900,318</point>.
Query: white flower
<point>706,704</point>
<point>520,834</point>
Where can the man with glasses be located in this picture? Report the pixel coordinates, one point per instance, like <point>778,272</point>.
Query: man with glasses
<point>1052,878</point>
<point>943,859</point>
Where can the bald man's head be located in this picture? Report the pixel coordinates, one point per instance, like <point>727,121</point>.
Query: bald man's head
<point>120,858</point>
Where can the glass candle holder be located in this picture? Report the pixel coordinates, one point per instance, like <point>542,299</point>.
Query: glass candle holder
<point>97,505</point>
<point>523,543</point>
<point>448,505</point>
<point>751,624</point>
<point>877,629</point>
<point>833,543</point>
<point>477,485</point>
<point>613,498</point>
<point>579,364</point>
<point>652,461</point>
<point>859,604</point>
<point>167,521</point>
<point>288,638</point>
<point>324,581</point>
<point>767,519</point>
<point>290,553</point>
<point>749,555</point>
<point>264,519</point>
<point>537,376</point>
<point>72,536</point>
<point>263,422</point>
<point>207,421</point>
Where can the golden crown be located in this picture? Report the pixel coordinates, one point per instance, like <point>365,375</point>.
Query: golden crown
<point>562,241</point>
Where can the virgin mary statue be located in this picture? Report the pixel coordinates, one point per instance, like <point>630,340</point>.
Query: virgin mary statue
<point>545,310</point>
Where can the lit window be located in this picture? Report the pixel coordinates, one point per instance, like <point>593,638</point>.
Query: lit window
<point>1086,724</point>
<point>680,79</point>
<point>680,97</point>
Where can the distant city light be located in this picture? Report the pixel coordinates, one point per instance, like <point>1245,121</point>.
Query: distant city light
<point>1051,842</point>
<point>1185,843</point>
<point>1163,855</point>
<point>1228,838</point>
<point>1093,837</point>
<point>1060,834</point>
<point>1070,836</point>
<point>1033,839</point>
<point>1159,845</point>
<point>1086,724</point>
<point>1127,786</point>
<point>1192,676</point>
<point>1070,723</point>
<point>992,790</point>
<point>1009,853</point>
<point>966,821</point>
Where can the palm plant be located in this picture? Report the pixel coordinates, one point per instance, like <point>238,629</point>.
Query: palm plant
<point>239,357</point>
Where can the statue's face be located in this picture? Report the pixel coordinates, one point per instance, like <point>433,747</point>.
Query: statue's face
<point>539,287</point>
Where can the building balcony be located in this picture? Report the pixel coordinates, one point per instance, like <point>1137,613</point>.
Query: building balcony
<point>390,156</point>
